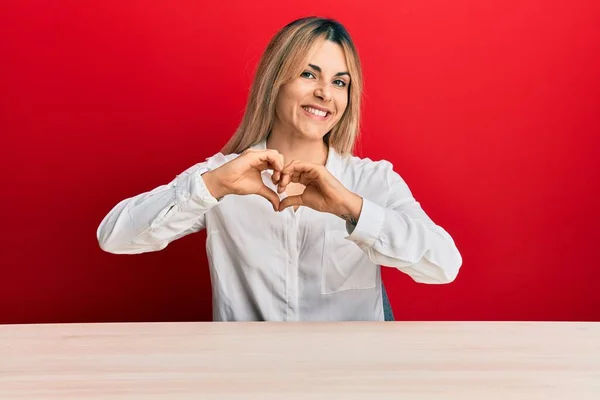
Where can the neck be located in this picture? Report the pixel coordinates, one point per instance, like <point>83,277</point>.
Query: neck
<point>298,148</point>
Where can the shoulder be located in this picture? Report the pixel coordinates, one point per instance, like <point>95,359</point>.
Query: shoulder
<point>366,168</point>
<point>374,179</point>
<point>364,176</point>
<point>219,159</point>
<point>210,163</point>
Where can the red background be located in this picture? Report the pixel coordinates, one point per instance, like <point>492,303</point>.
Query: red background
<point>489,110</point>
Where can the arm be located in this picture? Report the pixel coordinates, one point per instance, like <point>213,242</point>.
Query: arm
<point>397,234</point>
<point>150,221</point>
<point>401,235</point>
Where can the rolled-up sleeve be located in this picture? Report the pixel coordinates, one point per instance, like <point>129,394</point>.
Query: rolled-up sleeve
<point>150,221</point>
<point>400,234</point>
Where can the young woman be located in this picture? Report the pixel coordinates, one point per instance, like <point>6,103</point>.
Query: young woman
<point>297,226</point>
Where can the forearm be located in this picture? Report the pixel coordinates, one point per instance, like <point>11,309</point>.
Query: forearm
<point>151,220</point>
<point>409,241</point>
<point>351,207</point>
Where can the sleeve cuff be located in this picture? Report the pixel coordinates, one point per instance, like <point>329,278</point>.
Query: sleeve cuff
<point>192,193</point>
<point>201,194</point>
<point>370,223</point>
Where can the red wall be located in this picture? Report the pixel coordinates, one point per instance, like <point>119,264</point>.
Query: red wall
<point>489,110</point>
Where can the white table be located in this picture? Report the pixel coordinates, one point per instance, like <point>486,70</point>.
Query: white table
<point>389,360</point>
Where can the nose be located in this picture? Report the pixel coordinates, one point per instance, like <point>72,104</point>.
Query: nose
<point>323,92</point>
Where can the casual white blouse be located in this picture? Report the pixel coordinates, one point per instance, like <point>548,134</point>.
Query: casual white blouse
<point>291,265</point>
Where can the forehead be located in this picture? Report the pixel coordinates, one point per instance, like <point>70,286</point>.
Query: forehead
<point>329,56</point>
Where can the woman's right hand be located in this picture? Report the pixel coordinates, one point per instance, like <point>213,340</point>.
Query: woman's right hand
<point>242,175</point>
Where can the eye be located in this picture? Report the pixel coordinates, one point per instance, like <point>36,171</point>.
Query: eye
<point>339,83</point>
<point>305,73</point>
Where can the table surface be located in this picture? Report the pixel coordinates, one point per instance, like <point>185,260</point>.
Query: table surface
<point>268,360</point>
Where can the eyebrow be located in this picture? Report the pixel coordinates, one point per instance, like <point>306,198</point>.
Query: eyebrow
<point>318,69</point>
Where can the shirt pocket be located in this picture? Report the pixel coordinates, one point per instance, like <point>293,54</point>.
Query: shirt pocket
<point>345,266</point>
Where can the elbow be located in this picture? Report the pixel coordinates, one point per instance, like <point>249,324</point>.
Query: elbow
<point>114,244</point>
<point>439,272</point>
<point>440,277</point>
<point>105,235</point>
<point>108,244</point>
<point>115,248</point>
<point>108,247</point>
<point>448,262</point>
<point>449,270</point>
<point>103,240</point>
<point>448,276</point>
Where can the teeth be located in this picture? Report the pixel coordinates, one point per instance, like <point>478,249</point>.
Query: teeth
<point>315,111</point>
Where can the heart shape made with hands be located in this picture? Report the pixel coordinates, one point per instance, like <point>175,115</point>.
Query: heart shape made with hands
<point>322,191</point>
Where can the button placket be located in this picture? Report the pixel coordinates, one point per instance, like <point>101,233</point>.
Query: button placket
<point>292,268</point>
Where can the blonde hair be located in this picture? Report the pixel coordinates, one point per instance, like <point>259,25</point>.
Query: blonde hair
<point>283,60</point>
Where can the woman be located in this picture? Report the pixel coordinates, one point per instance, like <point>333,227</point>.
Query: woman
<point>297,226</point>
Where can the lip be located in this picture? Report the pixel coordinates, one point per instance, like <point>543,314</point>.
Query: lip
<point>313,116</point>
<point>318,108</point>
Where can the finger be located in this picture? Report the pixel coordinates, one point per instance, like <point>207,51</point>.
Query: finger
<point>275,159</point>
<point>269,195</point>
<point>283,182</point>
<point>285,176</point>
<point>302,173</point>
<point>300,166</point>
<point>276,176</point>
<point>296,177</point>
<point>268,159</point>
<point>290,201</point>
<point>277,172</point>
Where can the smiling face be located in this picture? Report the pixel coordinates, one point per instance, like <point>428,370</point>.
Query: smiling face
<point>312,103</point>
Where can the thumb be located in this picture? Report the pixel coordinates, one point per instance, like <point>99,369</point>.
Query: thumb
<point>291,201</point>
<point>270,195</point>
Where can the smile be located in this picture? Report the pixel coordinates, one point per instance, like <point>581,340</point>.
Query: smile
<point>318,114</point>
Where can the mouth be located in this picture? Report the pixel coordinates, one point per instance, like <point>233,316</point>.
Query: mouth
<point>317,113</point>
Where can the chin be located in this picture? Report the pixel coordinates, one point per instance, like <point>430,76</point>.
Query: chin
<point>315,135</point>
<point>311,132</point>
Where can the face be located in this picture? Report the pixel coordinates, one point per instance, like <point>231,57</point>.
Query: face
<point>310,105</point>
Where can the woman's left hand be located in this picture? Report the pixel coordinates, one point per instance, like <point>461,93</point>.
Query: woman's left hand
<point>323,191</point>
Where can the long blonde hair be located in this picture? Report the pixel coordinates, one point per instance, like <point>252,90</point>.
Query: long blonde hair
<point>284,60</point>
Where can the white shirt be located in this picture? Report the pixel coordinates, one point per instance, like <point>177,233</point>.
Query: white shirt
<point>291,265</point>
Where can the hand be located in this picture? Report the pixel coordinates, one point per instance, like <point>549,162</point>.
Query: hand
<point>242,175</point>
<point>323,191</point>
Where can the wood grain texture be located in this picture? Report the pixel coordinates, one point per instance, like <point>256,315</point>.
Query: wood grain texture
<point>415,360</point>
